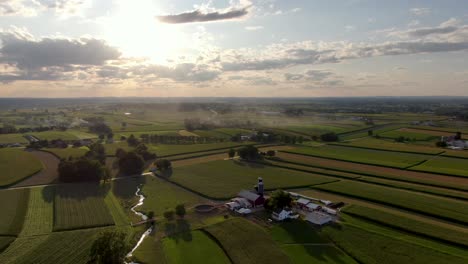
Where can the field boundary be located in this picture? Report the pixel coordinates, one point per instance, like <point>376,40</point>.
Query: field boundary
<point>6,186</point>
<point>436,216</point>
<point>382,149</point>
<point>220,245</point>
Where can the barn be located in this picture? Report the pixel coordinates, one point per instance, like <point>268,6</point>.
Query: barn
<point>254,199</point>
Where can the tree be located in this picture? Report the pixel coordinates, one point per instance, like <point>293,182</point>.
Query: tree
<point>180,210</point>
<point>370,132</point>
<point>119,153</point>
<point>271,153</point>
<point>329,137</point>
<point>169,215</point>
<point>142,150</point>
<point>97,152</point>
<point>279,199</point>
<point>131,164</point>
<point>101,136</point>
<point>441,144</point>
<point>110,135</point>
<point>163,164</point>
<point>82,170</point>
<point>132,141</point>
<point>109,248</point>
<point>231,153</point>
<point>248,152</point>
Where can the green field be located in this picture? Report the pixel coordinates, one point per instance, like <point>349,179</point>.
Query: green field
<point>199,249</point>
<point>360,133</point>
<point>137,134</point>
<point>150,251</point>
<point>39,218</point>
<point>407,134</point>
<point>111,148</point>
<point>373,143</point>
<point>375,157</point>
<point>225,178</point>
<point>20,247</point>
<point>65,153</point>
<point>80,206</point>
<point>246,242</point>
<point>5,241</point>
<point>63,135</point>
<point>162,196</point>
<point>448,209</point>
<point>12,138</point>
<point>455,153</point>
<point>399,222</point>
<point>17,164</point>
<point>167,150</point>
<point>371,247</point>
<point>445,165</point>
<point>13,205</point>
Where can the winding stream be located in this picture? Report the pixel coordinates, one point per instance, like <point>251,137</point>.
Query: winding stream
<point>143,217</point>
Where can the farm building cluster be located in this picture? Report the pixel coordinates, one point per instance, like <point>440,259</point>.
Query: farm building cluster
<point>455,141</point>
<point>315,211</point>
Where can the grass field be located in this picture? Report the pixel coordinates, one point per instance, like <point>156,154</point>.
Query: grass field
<point>39,218</point>
<point>457,183</point>
<point>79,206</point>
<point>12,138</point>
<point>13,205</point>
<point>371,247</point>
<point>199,249</point>
<point>167,150</point>
<point>409,225</point>
<point>17,164</point>
<point>445,165</point>
<point>373,143</point>
<point>225,178</point>
<point>116,210</point>
<point>246,242</point>
<point>65,153</point>
<point>447,209</point>
<point>377,157</point>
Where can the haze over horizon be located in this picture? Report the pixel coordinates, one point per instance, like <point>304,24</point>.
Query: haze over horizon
<point>237,48</point>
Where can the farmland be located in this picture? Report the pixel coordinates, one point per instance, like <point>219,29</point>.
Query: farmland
<point>168,150</point>
<point>382,144</point>
<point>444,165</point>
<point>375,157</point>
<point>12,138</point>
<point>17,164</point>
<point>39,219</point>
<point>64,135</point>
<point>225,178</point>
<point>264,250</point>
<point>409,134</point>
<point>13,205</point>
<point>446,209</point>
<point>65,153</point>
<point>80,206</point>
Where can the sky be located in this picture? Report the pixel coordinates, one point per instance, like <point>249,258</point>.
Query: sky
<point>236,48</point>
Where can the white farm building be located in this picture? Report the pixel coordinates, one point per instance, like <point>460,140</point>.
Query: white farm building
<point>318,218</point>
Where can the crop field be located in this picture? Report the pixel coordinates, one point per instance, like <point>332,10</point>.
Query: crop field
<point>409,225</point>
<point>235,235</point>
<point>233,131</point>
<point>168,150</point>
<point>150,251</point>
<point>211,133</point>
<point>17,164</point>
<point>20,247</point>
<point>13,205</point>
<point>116,210</point>
<point>162,196</point>
<point>12,138</point>
<point>416,187</point>
<point>456,153</point>
<point>376,157</point>
<point>373,143</point>
<point>359,133</point>
<point>435,132</point>
<point>79,206</point>
<point>371,247</point>
<point>225,178</point>
<point>5,241</point>
<point>138,134</point>
<point>408,133</point>
<point>380,172</point>
<point>445,165</point>
<point>199,249</point>
<point>442,208</point>
<point>39,219</point>
<point>65,153</point>
<point>64,135</point>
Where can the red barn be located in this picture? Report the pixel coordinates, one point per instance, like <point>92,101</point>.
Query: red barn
<point>254,199</point>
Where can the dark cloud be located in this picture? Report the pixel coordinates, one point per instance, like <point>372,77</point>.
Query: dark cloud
<point>198,16</point>
<point>29,54</point>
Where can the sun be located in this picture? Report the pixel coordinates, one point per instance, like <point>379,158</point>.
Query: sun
<point>134,29</point>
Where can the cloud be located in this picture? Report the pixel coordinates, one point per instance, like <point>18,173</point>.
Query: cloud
<point>206,14</point>
<point>27,8</point>
<point>449,31</point>
<point>253,28</point>
<point>350,28</point>
<point>420,11</point>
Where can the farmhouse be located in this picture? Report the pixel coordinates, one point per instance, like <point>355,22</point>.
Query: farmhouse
<point>282,214</point>
<point>318,218</point>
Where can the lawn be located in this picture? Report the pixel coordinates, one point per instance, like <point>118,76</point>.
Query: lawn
<point>199,249</point>
<point>80,206</point>
<point>409,225</point>
<point>369,247</point>
<point>442,208</point>
<point>382,144</point>
<point>246,242</point>
<point>65,153</point>
<point>223,179</point>
<point>162,196</point>
<point>39,219</point>
<point>377,157</point>
<point>13,205</point>
<point>12,138</point>
<point>17,164</point>
<point>445,165</point>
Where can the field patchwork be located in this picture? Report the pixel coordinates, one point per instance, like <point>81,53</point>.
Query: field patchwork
<point>17,164</point>
<point>13,205</point>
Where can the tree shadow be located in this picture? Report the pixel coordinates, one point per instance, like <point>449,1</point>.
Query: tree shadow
<point>126,188</point>
<point>178,230</point>
<point>75,191</point>
<point>48,194</point>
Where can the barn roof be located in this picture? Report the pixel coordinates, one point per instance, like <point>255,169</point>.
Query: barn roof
<point>251,196</point>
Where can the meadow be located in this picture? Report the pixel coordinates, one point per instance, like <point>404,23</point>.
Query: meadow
<point>80,206</point>
<point>199,249</point>
<point>442,208</point>
<point>375,157</point>
<point>17,164</point>
<point>225,178</point>
<point>234,234</point>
